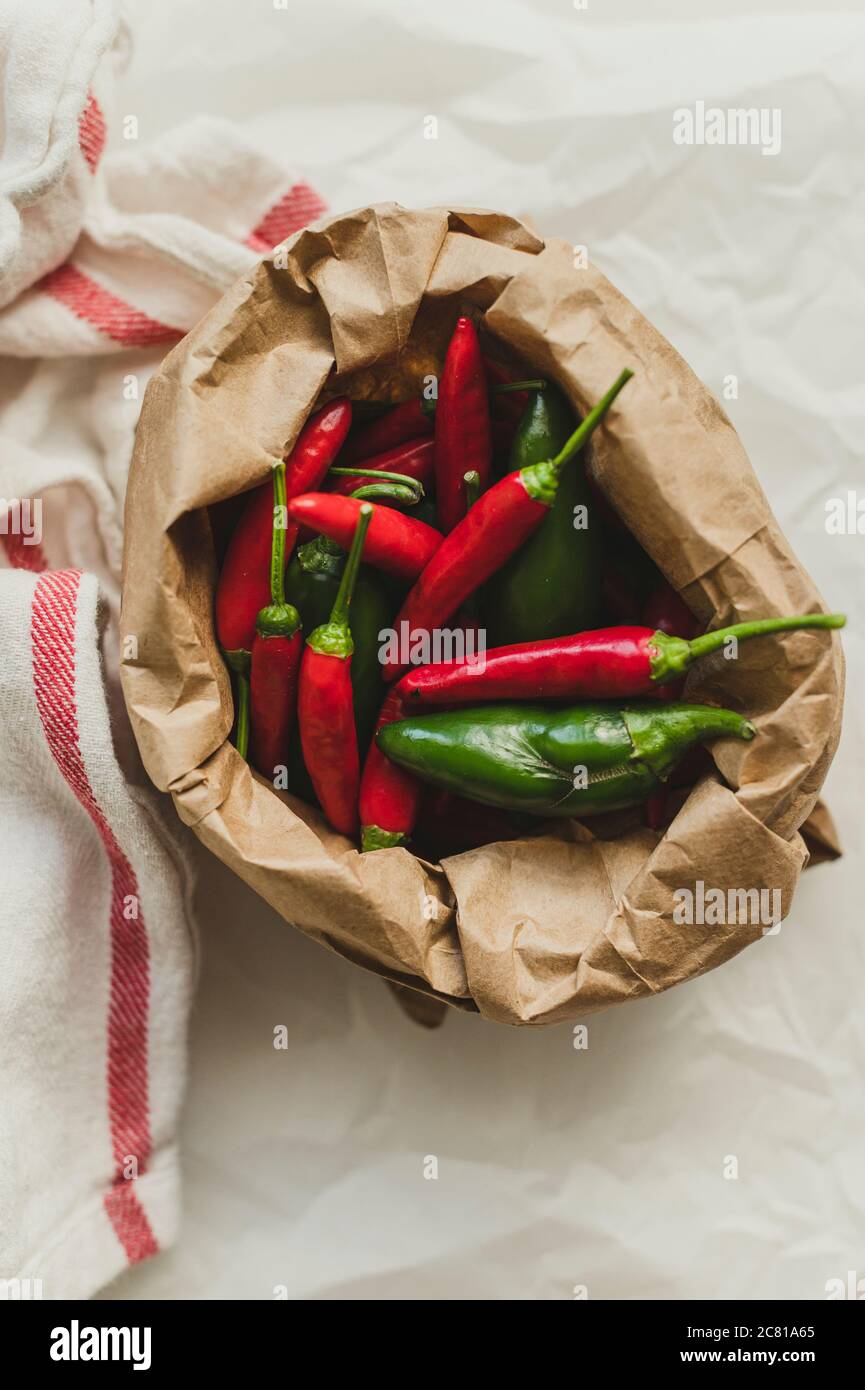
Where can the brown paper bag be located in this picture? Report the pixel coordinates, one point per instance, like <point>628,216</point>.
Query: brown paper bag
<point>530,931</point>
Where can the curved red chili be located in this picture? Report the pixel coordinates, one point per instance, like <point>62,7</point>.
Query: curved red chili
<point>398,545</point>
<point>495,527</point>
<point>244,580</point>
<point>406,421</point>
<point>326,703</point>
<point>462,424</point>
<point>389,796</point>
<point>414,460</point>
<point>608,663</point>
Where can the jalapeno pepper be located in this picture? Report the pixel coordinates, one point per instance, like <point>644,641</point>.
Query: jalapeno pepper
<point>576,761</point>
<point>553,584</point>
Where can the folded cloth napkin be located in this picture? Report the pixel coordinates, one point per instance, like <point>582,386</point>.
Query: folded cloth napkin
<point>104,263</point>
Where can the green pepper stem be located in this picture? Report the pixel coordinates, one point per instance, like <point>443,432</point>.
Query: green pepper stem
<point>592,420</point>
<point>241,733</point>
<point>237,660</point>
<point>671,656</point>
<point>360,472</point>
<point>541,480</point>
<point>396,493</point>
<point>342,602</point>
<point>373,837</point>
<point>662,733</point>
<point>277,545</point>
<point>712,641</point>
<point>472,480</point>
<point>408,489</point>
<point>277,620</point>
<point>333,638</point>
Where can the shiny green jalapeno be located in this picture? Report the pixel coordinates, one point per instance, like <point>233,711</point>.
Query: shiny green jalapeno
<point>545,761</point>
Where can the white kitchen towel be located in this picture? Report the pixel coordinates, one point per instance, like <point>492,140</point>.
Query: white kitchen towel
<point>104,264</point>
<point>97,962</point>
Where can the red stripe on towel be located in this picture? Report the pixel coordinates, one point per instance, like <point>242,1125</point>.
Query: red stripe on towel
<point>53,619</point>
<point>295,209</point>
<point>103,310</point>
<point>91,132</point>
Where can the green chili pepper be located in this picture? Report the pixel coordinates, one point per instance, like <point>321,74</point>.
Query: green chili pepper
<point>552,586</point>
<point>311,584</point>
<point>555,762</point>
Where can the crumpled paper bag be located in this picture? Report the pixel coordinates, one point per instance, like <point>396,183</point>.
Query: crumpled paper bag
<point>529,931</point>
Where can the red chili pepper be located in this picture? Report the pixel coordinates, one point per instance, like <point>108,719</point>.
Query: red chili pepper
<point>407,421</point>
<point>399,545</point>
<point>273,695</point>
<point>276,653</point>
<point>244,581</point>
<point>414,460</point>
<point>495,527</point>
<point>389,796</point>
<point>607,664</point>
<point>326,703</point>
<point>462,424</point>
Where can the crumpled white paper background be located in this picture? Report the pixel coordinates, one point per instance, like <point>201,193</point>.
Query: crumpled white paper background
<point>558,1168</point>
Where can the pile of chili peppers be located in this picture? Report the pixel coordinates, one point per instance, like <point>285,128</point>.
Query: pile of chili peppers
<point>471,514</point>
